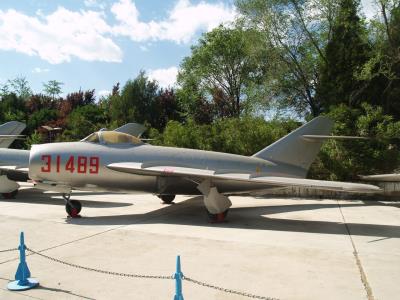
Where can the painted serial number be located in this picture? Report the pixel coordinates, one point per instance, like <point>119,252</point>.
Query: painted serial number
<point>78,164</point>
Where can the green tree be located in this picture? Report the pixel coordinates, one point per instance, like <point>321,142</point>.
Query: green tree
<point>224,60</point>
<point>52,88</point>
<point>243,136</point>
<point>20,86</point>
<point>346,160</point>
<point>381,73</point>
<point>12,108</point>
<point>83,121</point>
<point>33,139</point>
<point>41,117</point>
<point>136,102</point>
<point>346,53</point>
<point>294,33</point>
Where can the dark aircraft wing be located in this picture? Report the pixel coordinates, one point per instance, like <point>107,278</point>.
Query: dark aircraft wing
<point>241,179</point>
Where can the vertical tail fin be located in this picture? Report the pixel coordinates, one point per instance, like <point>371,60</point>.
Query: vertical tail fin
<point>293,150</point>
<point>9,132</point>
<point>134,129</point>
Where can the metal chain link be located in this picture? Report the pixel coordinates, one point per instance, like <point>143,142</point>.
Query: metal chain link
<point>98,270</point>
<point>228,291</point>
<point>8,250</point>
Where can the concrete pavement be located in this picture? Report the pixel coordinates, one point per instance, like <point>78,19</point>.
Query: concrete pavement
<point>281,248</point>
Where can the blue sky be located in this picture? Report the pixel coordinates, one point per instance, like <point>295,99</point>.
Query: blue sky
<point>92,44</point>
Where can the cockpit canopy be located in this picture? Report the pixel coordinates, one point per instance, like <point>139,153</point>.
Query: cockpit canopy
<point>112,137</point>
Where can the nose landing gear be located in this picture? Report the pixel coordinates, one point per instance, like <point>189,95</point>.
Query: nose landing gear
<point>72,207</point>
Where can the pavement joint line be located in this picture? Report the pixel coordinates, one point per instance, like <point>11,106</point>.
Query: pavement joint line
<point>23,295</point>
<point>363,275</point>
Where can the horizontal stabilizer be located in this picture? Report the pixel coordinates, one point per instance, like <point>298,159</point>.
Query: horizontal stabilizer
<point>382,177</point>
<point>333,137</point>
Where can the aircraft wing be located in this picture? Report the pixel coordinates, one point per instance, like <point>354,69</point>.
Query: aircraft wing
<point>24,170</point>
<point>15,163</point>
<point>241,179</point>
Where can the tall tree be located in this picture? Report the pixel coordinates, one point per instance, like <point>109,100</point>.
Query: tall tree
<point>223,61</point>
<point>346,53</point>
<point>52,88</point>
<point>20,86</point>
<point>295,33</point>
<point>136,101</point>
<point>382,71</point>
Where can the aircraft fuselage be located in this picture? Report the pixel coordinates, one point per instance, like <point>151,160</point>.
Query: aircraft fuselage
<point>83,165</point>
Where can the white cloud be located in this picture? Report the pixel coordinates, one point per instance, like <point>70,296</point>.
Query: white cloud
<point>59,36</point>
<point>40,70</point>
<point>103,93</point>
<point>165,77</point>
<point>182,23</point>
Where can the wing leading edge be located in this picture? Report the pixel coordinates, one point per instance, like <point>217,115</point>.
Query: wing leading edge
<point>258,182</point>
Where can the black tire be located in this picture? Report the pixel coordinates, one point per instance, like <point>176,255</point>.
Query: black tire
<point>217,218</point>
<point>73,208</point>
<point>167,199</point>
<point>10,195</point>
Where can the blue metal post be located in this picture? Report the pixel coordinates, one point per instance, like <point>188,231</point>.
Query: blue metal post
<point>22,276</point>
<point>178,280</point>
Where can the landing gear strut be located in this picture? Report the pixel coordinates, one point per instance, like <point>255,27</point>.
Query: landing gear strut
<point>10,195</point>
<point>167,199</point>
<point>217,204</point>
<point>72,207</point>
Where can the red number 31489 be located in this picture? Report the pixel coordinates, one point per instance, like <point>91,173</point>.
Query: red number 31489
<point>79,164</point>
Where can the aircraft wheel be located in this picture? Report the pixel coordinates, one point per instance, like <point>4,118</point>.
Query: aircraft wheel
<point>167,199</point>
<point>73,208</point>
<point>10,195</point>
<point>217,218</point>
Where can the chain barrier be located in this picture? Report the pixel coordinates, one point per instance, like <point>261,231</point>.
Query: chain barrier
<point>200,283</point>
<point>8,250</point>
<point>98,270</point>
<point>225,290</point>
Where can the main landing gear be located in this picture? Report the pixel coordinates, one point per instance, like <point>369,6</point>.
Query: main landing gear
<point>217,204</point>
<point>10,195</point>
<point>72,207</point>
<point>217,218</point>
<point>167,199</point>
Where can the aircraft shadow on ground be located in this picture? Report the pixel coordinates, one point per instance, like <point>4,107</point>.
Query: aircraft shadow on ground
<point>38,197</point>
<point>192,212</point>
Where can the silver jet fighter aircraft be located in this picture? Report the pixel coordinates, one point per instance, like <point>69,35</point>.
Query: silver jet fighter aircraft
<point>116,161</point>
